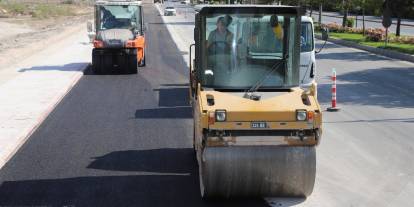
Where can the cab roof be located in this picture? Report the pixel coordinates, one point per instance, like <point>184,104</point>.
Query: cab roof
<point>118,2</point>
<point>306,19</point>
<point>248,8</point>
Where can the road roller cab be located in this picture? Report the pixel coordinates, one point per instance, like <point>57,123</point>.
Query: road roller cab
<point>255,129</point>
<point>119,40</point>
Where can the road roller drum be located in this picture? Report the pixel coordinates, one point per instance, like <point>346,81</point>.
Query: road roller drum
<point>266,171</point>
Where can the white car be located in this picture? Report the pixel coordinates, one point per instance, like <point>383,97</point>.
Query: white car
<point>170,11</point>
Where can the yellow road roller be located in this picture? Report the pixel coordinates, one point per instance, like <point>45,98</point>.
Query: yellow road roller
<point>255,129</point>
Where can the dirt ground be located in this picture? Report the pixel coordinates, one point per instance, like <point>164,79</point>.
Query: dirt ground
<point>23,35</point>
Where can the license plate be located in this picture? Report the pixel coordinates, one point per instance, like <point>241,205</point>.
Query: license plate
<point>258,125</point>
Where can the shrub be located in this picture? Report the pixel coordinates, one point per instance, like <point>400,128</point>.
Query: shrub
<point>318,27</point>
<point>51,10</point>
<point>334,27</point>
<point>375,35</point>
<point>402,39</point>
<point>372,34</point>
<point>15,8</point>
<point>68,1</point>
<point>354,30</point>
<point>350,22</point>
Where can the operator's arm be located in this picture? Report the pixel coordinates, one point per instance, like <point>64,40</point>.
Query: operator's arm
<point>229,38</point>
<point>210,38</point>
<point>278,30</point>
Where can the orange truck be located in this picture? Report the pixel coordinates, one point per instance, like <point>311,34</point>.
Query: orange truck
<point>118,37</point>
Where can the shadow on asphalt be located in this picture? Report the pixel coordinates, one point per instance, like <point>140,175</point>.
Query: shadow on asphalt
<point>88,70</point>
<point>350,56</point>
<point>173,104</point>
<point>285,201</point>
<point>144,190</point>
<point>165,113</point>
<point>170,189</point>
<point>375,87</point>
<point>328,45</point>
<point>167,160</point>
<point>175,84</point>
<point>68,67</point>
<point>169,97</point>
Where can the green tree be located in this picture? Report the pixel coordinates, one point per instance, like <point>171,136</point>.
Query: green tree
<point>346,5</point>
<point>401,9</point>
<point>360,6</point>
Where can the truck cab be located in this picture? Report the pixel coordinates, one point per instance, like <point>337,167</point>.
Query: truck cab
<point>307,53</point>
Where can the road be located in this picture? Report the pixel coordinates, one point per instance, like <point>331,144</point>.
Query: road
<point>125,140</point>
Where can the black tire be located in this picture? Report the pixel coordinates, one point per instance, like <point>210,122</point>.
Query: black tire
<point>132,63</point>
<point>95,69</point>
<point>106,62</point>
<point>96,63</point>
<point>133,67</point>
<point>133,70</point>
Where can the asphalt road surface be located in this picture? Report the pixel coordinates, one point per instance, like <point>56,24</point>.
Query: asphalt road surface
<point>126,140</point>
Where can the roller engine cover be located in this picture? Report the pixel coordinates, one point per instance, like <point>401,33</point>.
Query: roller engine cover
<point>115,38</point>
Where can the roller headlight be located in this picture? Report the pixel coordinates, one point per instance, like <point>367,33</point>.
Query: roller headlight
<point>301,115</point>
<point>221,115</point>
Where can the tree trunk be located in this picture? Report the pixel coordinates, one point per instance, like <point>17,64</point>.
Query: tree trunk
<point>311,9</point>
<point>320,14</point>
<point>363,21</point>
<point>356,20</point>
<point>397,33</point>
<point>345,17</point>
<point>345,10</point>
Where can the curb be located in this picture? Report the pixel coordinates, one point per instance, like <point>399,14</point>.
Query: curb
<point>58,98</point>
<point>378,51</point>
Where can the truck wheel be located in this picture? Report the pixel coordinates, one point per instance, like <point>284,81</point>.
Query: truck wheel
<point>133,65</point>
<point>96,64</point>
<point>133,69</point>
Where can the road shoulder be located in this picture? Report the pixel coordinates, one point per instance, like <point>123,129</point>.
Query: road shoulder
<point>378,51</point>
<point>32,86</point>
